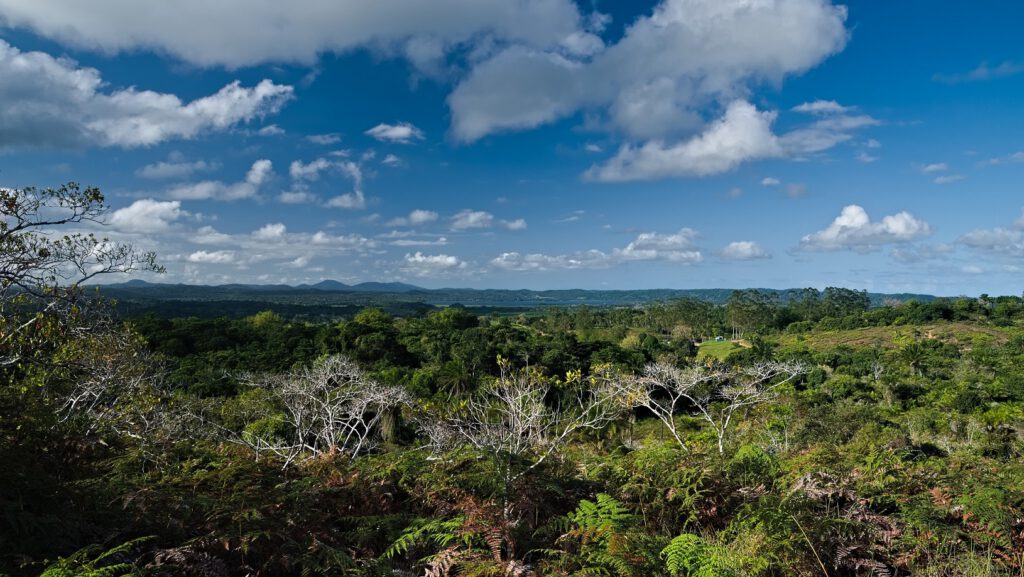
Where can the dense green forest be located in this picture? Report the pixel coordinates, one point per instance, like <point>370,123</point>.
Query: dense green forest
<point>805,433</point>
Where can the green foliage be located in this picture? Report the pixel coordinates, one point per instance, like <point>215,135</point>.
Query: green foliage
<point>93,561</point>
<point>692,556</point>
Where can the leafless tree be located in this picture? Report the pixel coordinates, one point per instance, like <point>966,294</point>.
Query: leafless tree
<point>331,406</point>
<point>519,424</point>
<point>115,384</point>
<point>715,391</point>
<point>515,419</point>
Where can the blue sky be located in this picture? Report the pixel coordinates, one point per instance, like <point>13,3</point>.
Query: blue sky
<point>535,143</point>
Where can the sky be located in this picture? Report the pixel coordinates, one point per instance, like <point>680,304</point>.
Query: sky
<point>538,144</point>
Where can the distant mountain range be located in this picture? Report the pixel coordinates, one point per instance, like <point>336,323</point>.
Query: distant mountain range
<point>329,292</point>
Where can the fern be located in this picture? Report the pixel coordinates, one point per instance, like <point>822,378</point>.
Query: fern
<point>441,532</point>
<point>691,556</point>
<point>92,561</point>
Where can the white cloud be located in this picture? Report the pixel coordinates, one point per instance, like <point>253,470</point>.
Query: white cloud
<point>240,33</point>
<point>651,83</point>
<point>469,219</point>
<point>982,72</point>
<point>865,157</point>
<point>1015,158</point>
<point>147,216</point>
<point>270,231</point>
<point>439,241</point>
<point>172,169</point>
<point>743,250</point>
<point>350,200</point>
<point>770,181</point>
<point>654,246</point>
<point>402,133</point>
<point>420,264</point>
<point>255,178</point>
<point>921,253</point>
<point>54,102</point>
<point>1002,241</point>
<point>325,139</point>
<point>853,229</point>
<point>742,134</point>
<point>517,224</point>
<point>391,160</point>
<point>416,217</point>
<point>296,197</point>
<point>270,130</point>
<point>215,257</point>
<point>949,178</point>
<point>309,171</point>
<point>822,107</point>
<point>678,248</point>
<point>935,167</point>
<point>824,133</point>
<point>476,219</point>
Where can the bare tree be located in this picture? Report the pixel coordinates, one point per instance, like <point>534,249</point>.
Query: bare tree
<point>715,391</point>
<point>513,418</point>
<point>115,384</point>
<point>331,406</point>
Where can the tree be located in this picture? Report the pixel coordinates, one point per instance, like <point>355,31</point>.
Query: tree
<point>42,270</point>
<point>331,406</point>
<point>512,422</point>
<point>716,391</point>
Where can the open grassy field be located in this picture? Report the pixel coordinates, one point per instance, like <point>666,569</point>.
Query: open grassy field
<point>958,332</point>
<point>717,349</point>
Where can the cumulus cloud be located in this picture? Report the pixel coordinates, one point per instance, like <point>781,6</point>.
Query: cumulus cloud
<point>270,231</point>
<point>477,219</point>
<point>1006,241</point>
<point>55,102</point>
<point>770,181</point>
<point>678,248</point>
<point>935,167</point>
<point>350,200</point>
<point>259,173</point>
<point>308,171</point>
<point>401,133</point>
<point>420,264</point>
<point>667,66</point>
<point>743,250</point>
<point>468,219</point>
<point>238,33</point>
<point>854,230</point>
<point>742,134</point>
<point>146,216</point>
<point>214,257</point>
<point>414,218</point>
